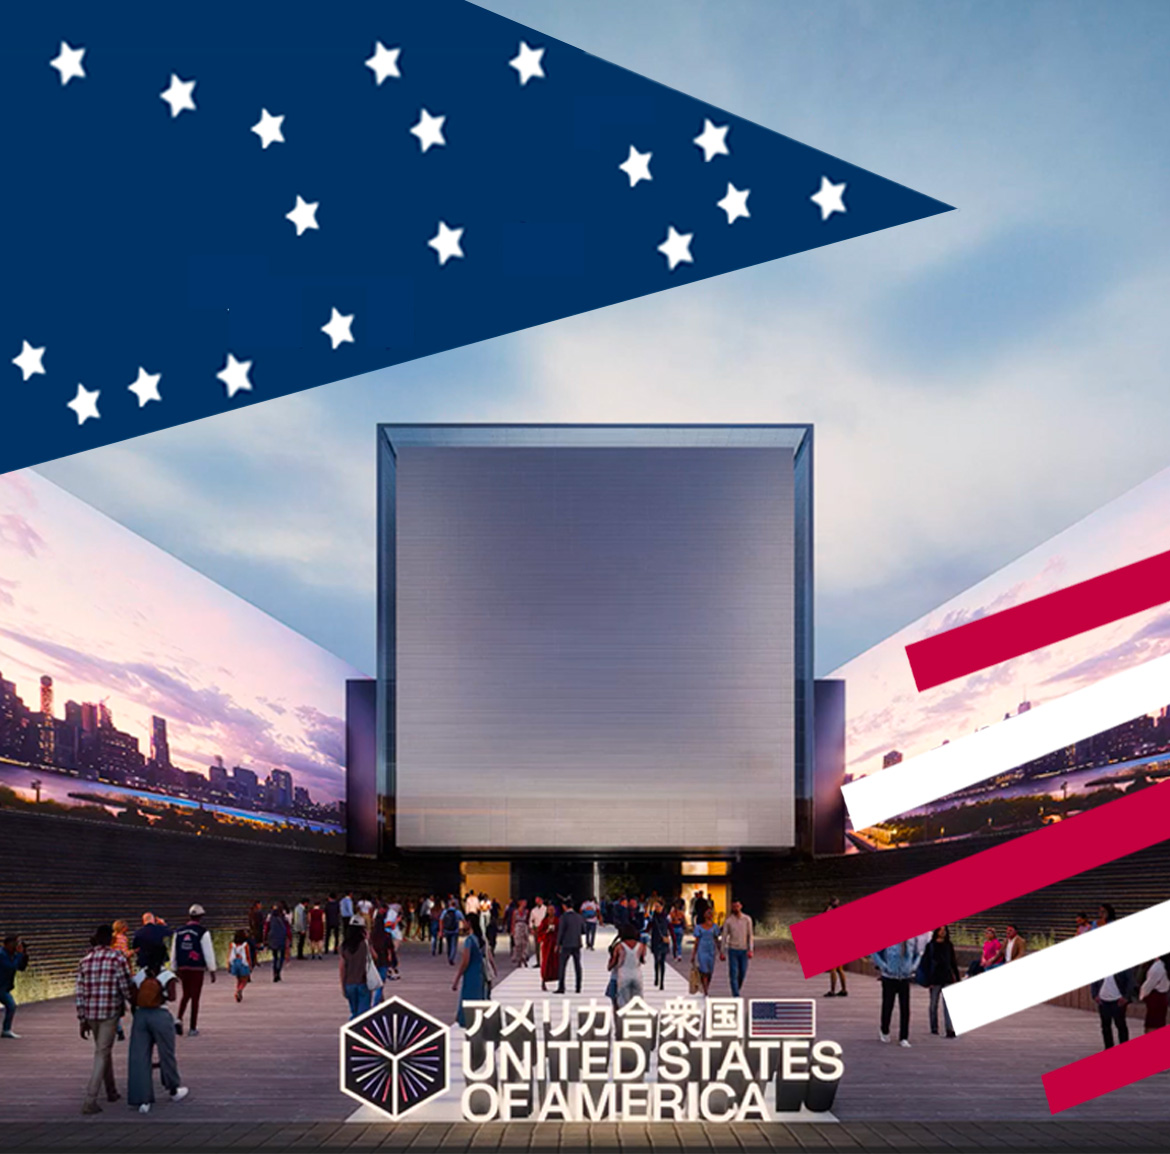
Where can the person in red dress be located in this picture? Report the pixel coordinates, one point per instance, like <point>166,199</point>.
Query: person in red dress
<point>316,922</point>
<point>550,954</point>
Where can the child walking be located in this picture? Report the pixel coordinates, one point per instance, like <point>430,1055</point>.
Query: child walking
<point>240,962</point>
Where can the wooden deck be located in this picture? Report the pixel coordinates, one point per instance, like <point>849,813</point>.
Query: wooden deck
<point>264,1073</point>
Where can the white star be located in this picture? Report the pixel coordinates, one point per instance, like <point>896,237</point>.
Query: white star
<point>337,330</point>
<point>677,247</point>
<point>446,242</point>
<point>29,360</point>
<point>68,62</point>
<point>303,215</point>
<point>234,375</point>
<point>637,166</point>
<point>268,128</point>
<point>828,198</point>
<point>85,404</point>
<point>178,95</point>
<point>429,129</point>
<point>146,387</point>
<point>384,62</point>
<point>713,141</point>
<point>734,203</point>
<point>527,63</point>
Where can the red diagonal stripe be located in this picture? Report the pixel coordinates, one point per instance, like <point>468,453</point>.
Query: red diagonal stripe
<point>1044,621</point>
<point>985,879</point>
<point>1108,1071</point>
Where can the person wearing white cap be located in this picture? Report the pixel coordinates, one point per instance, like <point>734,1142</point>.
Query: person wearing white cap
<point>193,956</point>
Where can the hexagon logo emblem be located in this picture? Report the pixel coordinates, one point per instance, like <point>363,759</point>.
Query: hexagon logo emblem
<point>395,1058</point>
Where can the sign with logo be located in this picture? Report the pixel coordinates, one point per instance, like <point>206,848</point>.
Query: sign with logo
<point>394,1058</point>
<point>572,1060</point>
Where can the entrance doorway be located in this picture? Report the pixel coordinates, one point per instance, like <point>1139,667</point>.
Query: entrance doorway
<point>715,892</point>
<point>709,877</point>
<point>493,878</point>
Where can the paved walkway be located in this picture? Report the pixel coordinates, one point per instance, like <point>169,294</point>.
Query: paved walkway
<point>991,1073</point>
<point>522,984</point>
<point>272,1061</point>
<point>424,1138</point>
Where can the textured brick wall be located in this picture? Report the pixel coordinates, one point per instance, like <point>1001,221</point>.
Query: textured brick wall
<point>60,878</point>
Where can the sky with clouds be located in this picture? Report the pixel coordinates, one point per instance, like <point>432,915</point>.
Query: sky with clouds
<point>979,381</point>
<point>111,617</point>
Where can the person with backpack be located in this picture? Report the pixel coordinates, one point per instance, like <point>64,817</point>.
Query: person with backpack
<point>591,912</point>
<point>151,988</point>
<point>240,962</point>
<point>449,923</point>
<point>276,935</point>
<point>356,966</point>
<point>192,958</point>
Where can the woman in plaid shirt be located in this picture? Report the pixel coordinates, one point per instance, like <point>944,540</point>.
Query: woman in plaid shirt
<point>103,992</point>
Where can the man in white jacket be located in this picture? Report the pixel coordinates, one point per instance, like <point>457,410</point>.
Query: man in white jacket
<point>192,956</point>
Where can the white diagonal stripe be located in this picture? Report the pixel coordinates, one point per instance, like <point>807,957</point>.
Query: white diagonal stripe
<point>1008,744</point>
<point>1048,973</point>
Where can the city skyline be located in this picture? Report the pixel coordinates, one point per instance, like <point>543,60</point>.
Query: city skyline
<point>60,713</point>
<point>885,711</point>
<point>106,614</point>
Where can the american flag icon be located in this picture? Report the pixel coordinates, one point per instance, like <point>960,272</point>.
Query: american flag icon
<point>783,1018</point>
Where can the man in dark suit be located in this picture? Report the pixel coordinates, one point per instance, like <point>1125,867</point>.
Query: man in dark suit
<point>570,931</point>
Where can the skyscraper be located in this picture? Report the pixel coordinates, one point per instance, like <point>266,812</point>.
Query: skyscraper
<point>46,743</point>
<point>160,751</point>
<point>246,783</point>
<point>282,789</point>
<point>89,718</point>
<point>12,715</point>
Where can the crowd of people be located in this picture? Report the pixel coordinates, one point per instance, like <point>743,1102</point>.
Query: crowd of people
<point>157,974</point>
<point>931,961</point>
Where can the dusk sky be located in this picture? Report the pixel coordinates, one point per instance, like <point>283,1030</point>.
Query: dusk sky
<point>884,709</point>
<point>979,381</point>
<point>110,616</point>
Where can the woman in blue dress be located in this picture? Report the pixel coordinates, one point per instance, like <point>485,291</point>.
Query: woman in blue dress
<point>707,944</point>
<point>471,967</point>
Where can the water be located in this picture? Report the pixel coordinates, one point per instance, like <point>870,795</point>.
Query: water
<point>1079,782</point>
<point>57,787</point>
